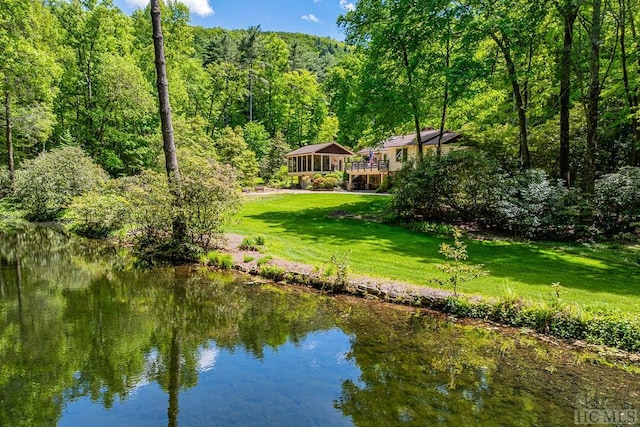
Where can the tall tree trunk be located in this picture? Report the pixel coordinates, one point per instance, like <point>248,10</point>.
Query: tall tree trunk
<point>251,92</point>
<point>413,102</point>
<point>569,15</point>
<point>445,100</point>
<point>523,151</point>
<point>633,157</point>
<point>171,159</point>
<point>9,138</point>
<point>589,165</point>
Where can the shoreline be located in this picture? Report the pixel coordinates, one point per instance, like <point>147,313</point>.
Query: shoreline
<point>558,325</point>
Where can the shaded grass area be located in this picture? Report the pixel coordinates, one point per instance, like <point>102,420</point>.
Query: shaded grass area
<point>309,228</point>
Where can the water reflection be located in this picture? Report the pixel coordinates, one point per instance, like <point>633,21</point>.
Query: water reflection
<point>86,340</point>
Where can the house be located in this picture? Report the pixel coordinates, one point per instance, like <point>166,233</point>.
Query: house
<point>389,157</point>
<point>307,161</point>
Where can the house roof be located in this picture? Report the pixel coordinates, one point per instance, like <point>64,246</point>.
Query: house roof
<point>326,148</point>
<point>429,137</point>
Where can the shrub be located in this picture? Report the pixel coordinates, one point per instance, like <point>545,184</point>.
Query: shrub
<point>318,183</point>
<point>457,185</point>
<point>330,183</point>
<point>385,185</point>
<point>47,184</point>
<point>97,214</point>
<point>210,198</point>
<point>260,240</point>
<point>535,206</point>
<point>616,201</point>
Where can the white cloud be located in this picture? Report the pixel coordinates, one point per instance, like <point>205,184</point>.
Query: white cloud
<point>310,17</point>
<point>199,7</point>
<point>347,6</point>
<point>316,1</point>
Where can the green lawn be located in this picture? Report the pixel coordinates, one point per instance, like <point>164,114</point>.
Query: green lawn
<point>300,227</point>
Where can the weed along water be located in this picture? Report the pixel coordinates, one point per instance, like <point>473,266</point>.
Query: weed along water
<point>87,340</point>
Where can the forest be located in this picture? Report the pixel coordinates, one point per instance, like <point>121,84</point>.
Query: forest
<point>551,87</point>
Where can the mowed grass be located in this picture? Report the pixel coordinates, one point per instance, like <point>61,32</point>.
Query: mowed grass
<point>309,228</point>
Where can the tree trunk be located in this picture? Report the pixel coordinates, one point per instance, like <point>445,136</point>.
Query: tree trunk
<point>523,151</point>
<point>445,100</point>
<point>251,92</point>
<point>589,165</point>
<point>569,15</point>
<point>414,105</point>
<point>169,147</point>
<point>633,94</point>
<point>9,139</point>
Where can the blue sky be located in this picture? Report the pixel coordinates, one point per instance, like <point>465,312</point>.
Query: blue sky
<point>316,17</point>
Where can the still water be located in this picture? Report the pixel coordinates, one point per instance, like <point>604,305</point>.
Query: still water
<point>85,340</point>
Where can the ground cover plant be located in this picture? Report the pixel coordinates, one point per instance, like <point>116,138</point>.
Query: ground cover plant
<point>309,228</point>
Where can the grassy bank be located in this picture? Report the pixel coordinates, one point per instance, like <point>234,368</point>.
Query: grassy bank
<point>309,228</point>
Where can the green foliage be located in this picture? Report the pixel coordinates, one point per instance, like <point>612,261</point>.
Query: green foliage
<point>611,328</point>
<point>219,260</point>
<point>272,272</point>
<point>5,182</point>
<point>233,150</point>
<point>341,263</point>
<point>273,164</point>
<point>47,184</point>
<point>264,260</point>
<point>257,138</point>
<point>252,243</point>
<point>97,214</point>
<point>457,270</point>
<point>462,184</point>
<point>617,201</point>
<point>535,206</point>
<point>247,258</point>
<point>210,198</point>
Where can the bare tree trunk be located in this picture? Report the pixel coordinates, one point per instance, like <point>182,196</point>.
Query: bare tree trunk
<point>589,164</point>
<point>633,94</point>
<point>414,105</point>
<point>445,100</point>
<point>523,151</point>
<point>569,15</point>
<point>9,139</point>
<point>171,159</point>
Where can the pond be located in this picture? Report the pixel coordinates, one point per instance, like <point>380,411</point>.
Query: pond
<point>87,340</point>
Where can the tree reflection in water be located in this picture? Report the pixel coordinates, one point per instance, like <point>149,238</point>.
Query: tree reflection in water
<point>78,324</point>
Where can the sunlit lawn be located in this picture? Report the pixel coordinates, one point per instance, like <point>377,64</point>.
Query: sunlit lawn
<point>301,227</point>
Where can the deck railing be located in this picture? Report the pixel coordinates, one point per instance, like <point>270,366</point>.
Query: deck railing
<point>380,165</point>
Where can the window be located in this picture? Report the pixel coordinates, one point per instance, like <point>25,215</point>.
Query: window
<point>326,160</point>
<point>317,163</point>
<point>401,155</point>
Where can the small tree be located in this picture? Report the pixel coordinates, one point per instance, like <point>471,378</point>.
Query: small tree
<point>457,270</point>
